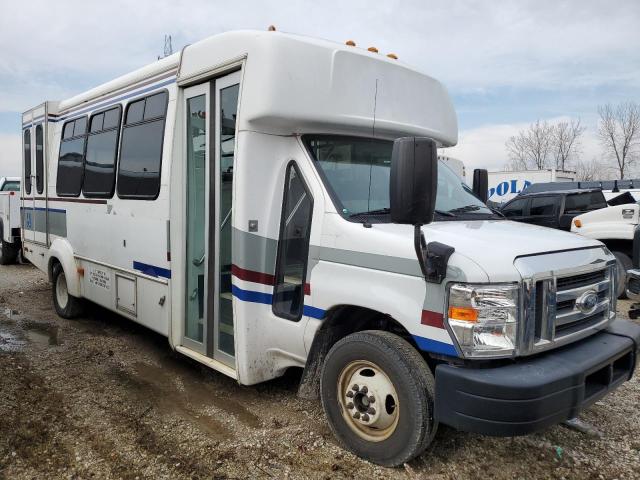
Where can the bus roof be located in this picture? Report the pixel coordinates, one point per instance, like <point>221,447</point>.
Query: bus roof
<point>295,84</point>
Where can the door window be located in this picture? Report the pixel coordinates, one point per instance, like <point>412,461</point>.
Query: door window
<point>584,202</point>
<point>515,208</point>
<point>293,246</point>
<point>542,206</point>
<point>27,161</point>
<point>39,159</point>
<point>227,141</point>
<point>196,198</point>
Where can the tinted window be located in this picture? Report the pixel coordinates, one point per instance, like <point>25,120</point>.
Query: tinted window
<point>80,127</point>
<point>11,187</point>
<point>293,247</point>
<point>543,205</point>
<point>96,123</point>
<point>515,208</point>
<point>135,111</point>
<point>68,130</point>
<point>71,159</point>
<point>155,106</point>
<point>100,159</point>
<point>39,160</point>
<point>27,161</point>
<point>141,152</point>
<point>584,202</point>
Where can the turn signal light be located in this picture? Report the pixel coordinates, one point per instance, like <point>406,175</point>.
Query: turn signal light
<point>373,49</point>
<point>350,43</point>
<point>467,314</point>
<point>577,222</point>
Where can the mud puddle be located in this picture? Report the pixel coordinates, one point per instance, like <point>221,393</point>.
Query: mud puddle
<point>19,331</point>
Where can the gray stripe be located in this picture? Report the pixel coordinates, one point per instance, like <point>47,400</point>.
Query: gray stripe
<point>404,266</point>
<point>253,252</point>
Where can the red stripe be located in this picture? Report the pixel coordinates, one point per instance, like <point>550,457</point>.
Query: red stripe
<point>433,319</point>
<point>258,277</point>
<point>251,276</point>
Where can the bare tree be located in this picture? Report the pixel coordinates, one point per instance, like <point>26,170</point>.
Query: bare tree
<point>531,148</point>
<point>589,170</point>
<point>619,132</point>
<point>566,141</point>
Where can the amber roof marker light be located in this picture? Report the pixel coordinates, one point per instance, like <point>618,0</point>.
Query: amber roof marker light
<point>372,49</point>
<point>392,55</point>
<point>350,43</point>
<point>272,28</point>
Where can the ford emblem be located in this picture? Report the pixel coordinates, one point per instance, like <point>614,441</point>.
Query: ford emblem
<point>587,302</point>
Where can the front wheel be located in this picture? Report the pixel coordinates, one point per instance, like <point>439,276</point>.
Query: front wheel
<point>67,306</point>
<point>377,393</point>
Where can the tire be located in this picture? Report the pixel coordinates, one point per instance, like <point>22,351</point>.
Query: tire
<point>8,251</point>
<point>67,306</point>
<point>405,425</point>
<point>624,264</point>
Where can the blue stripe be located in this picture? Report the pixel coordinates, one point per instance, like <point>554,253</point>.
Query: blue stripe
<point>53,210</point>
<point>267,299</point>
<point>152,270</point>
<point>434,346</point>
<point>112,101</point>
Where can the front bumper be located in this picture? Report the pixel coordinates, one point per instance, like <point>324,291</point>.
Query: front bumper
<point>535,393</point>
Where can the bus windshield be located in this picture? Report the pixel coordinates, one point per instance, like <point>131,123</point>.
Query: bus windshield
<point>356,172</point>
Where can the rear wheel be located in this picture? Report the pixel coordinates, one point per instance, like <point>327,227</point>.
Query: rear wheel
<point>67,306</point>
<point>624,263</point>
<point>377,393</point>
<point>8,251</point>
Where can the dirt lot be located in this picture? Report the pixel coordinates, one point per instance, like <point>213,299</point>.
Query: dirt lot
<point>102,397</point>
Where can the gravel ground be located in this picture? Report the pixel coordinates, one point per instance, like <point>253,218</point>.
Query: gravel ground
<point>101,397</point>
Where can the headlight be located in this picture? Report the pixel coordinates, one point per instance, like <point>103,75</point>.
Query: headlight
<point>484,318</point>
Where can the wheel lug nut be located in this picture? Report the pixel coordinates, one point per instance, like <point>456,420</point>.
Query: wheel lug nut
<point>350,394</point>
<point>356,415</point>
<point>355,387</point>
<point>372,399</point>
<point>365,418</point>
<point>371,410</point>
<point>350,405</point>
<point>364,389</point>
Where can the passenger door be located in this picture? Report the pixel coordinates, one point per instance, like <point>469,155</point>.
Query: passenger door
<point>515,210</point>
<point>28,187</point>
<point>210,132</point>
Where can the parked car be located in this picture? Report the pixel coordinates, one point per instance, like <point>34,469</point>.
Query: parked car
<point>9,219</point>
<point>553,209</point>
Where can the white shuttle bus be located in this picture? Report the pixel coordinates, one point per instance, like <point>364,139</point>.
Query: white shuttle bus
<point>269,201</point>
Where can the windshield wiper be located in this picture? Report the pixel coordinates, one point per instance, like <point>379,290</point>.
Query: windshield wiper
<point>465,209</point>
<point>380,211</point>
<point>445,214</point>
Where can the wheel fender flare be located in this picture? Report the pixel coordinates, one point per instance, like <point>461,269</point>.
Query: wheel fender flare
<point>61,251</point>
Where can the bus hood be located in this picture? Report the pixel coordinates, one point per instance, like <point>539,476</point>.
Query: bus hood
<point>495,244</point>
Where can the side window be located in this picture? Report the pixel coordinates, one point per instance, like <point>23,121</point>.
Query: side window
<point>515,208</point>
<point>71,158</point>
<point>584,202</point>
<point>293,246</point>
<point>141,148</point>
<point>39,160</point>
<point>27,161</point>
<point>102,150</point>
<point>10,186</point>
<point>541,206</point>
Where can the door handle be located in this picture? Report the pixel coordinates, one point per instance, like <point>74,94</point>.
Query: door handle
<point>197,263</point>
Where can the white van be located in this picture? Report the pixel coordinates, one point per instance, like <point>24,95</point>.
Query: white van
<point>9,219</point>
<point>245,197</point>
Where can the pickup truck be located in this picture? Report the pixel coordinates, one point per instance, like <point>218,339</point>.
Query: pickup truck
<point>9,219</point>
<point>618,227</point>
<point>555,209</point>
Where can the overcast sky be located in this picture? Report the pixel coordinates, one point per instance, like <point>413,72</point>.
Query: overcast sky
<point>505,64</point>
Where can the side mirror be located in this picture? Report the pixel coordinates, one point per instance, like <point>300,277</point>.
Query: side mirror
<point>414,180</point>
<point>481,184</point>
